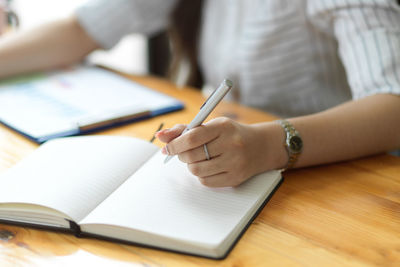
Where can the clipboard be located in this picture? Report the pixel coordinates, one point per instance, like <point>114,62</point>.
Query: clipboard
<point>77,101</point>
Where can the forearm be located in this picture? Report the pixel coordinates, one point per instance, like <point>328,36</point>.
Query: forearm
<point>354,129</point>
<point>51,45</point>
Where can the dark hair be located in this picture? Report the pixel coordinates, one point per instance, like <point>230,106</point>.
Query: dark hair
<point>184,33</point>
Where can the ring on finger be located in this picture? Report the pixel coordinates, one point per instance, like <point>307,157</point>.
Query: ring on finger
<point>206,152</point>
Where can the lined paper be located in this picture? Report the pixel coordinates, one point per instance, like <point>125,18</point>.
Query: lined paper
<point>73,175</point>
<point>167,200</point>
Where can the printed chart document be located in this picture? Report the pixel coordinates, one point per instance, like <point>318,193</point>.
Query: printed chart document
<point>76,101</point>
<point>118,188</point>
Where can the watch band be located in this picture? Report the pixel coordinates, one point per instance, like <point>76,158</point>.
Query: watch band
<point>293,143</point>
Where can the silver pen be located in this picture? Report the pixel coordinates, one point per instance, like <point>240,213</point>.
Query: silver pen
<point>207,107</point>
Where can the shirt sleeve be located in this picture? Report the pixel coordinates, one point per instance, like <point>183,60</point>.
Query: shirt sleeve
<point>368,37</point>
<point>107,21</point>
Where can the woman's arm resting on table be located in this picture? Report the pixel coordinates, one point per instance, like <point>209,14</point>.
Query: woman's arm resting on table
<point>358,128</point>
<point>51,45</point>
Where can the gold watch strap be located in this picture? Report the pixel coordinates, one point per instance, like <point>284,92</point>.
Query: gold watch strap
<point>290,132</point>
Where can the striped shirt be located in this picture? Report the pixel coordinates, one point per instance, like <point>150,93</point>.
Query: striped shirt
<point>287,57</point>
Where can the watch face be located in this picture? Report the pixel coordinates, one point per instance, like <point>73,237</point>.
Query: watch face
<point>295,144</point>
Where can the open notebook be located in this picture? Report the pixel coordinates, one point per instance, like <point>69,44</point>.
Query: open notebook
<point>118,188</point>
<point>76,101</point>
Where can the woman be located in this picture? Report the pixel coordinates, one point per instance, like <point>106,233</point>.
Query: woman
<point>331,67</point>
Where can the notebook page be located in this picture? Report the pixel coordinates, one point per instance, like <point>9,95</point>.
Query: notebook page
<point>73,175</point>
<point>167,200</point>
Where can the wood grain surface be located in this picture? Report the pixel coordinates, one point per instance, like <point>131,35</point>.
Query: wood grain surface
<point>345,214</point>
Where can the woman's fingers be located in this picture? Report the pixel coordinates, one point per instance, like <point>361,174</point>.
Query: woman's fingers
<point>207,167</point>
<point>214,149</point>
<point>194,138</point>
<point>220,180</point>
<point>220,171</point>
<point>167,135</point>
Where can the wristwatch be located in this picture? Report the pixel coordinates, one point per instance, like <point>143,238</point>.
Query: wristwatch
<point>293,143</point>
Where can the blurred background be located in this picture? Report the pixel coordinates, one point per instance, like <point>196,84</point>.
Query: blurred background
<point>130,55</point>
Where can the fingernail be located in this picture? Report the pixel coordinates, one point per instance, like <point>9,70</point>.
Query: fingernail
<point>157,133</point>
<point>164,150</point>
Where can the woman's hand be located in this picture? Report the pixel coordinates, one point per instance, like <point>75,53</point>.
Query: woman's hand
<point>237,151</point>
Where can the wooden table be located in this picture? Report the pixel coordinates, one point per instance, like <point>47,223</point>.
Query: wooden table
<point>345,214</point>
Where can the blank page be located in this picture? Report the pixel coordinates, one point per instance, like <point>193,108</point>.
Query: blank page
<point>167,200</point>
<point>73,175</point>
